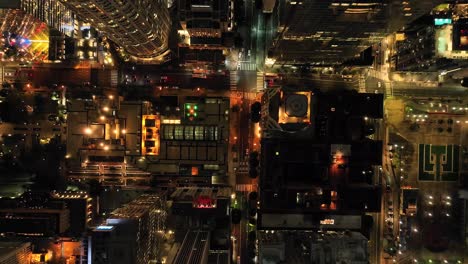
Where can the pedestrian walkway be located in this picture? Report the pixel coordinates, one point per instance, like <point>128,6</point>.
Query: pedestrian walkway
<point>362,83</point>
<point>246,66</point>
<point>245,188</point>
<point>260,81</point>
<point>388,89</point>
<point>233,79</point>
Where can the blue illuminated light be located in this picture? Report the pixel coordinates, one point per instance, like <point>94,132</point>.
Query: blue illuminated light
<point>104,228</point>
<point>442,21</point>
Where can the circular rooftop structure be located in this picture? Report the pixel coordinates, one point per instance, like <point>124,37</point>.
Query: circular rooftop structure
<point>296,105</point>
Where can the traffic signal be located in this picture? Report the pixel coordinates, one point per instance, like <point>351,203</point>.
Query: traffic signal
<point>191,110</point>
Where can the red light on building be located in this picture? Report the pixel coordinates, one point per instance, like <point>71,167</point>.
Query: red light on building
<point>204,202</point>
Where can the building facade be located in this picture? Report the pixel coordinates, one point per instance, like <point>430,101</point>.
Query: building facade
<point>205,21</point>
<point>15,253</point>
<point>132,234</point>
<point>332,32</point>
<point>141,28</point>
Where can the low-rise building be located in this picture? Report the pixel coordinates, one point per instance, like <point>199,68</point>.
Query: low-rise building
<point>193,141</point>
<point>21,219</point>
<point>104,139</point>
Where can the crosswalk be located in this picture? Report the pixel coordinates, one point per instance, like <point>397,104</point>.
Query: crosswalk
<point>233,80</point>
<point>362,83</point>
<point>388,89</point>
<point>246,66</point>
<point>260,81</point>
<point>244,95</point>
<point>245,187</point>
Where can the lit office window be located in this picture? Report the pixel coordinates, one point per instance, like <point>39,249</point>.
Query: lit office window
<point>199,135</point>
<point>188,134</point>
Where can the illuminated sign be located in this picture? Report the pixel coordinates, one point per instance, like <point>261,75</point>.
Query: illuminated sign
<point>442,21</point>
<point>400,36</point>
<point>204,202</point>
<point>327,222</point>
<point>191,111</point>
<point>104,228</point>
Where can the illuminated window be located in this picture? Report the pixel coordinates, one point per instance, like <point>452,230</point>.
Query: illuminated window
<point>209,133</point>
<point>168,132</point>
<point>211,167</point>
<point>188,133</point>
<point>199,133</point>
<point>179,133</point>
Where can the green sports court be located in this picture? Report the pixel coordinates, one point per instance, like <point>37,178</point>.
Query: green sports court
<point>438,162</point>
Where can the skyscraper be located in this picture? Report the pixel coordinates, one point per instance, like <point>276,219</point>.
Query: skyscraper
<point>51,12</point>
<point>132,234</point>
<point>141,28</point>
<point>331,32</point>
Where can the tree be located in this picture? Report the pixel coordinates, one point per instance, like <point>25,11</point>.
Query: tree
<point>95,188</point>
<point>253,173</point>
<point>253,196</point>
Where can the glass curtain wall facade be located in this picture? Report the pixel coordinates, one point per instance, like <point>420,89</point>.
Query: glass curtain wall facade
<point>51,12</point>
<point>140,27</point>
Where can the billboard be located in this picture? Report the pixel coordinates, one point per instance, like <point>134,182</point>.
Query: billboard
<point>14,4</point>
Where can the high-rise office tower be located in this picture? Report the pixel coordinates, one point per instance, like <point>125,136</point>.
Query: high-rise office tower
<point>51,12</point>
<point>333,31</point>
<point>141,27</point>
<point>132,233</point>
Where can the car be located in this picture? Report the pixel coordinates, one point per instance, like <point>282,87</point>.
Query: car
<point>253,195</point>
<point>253,173</point>
<point>253,163</point>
